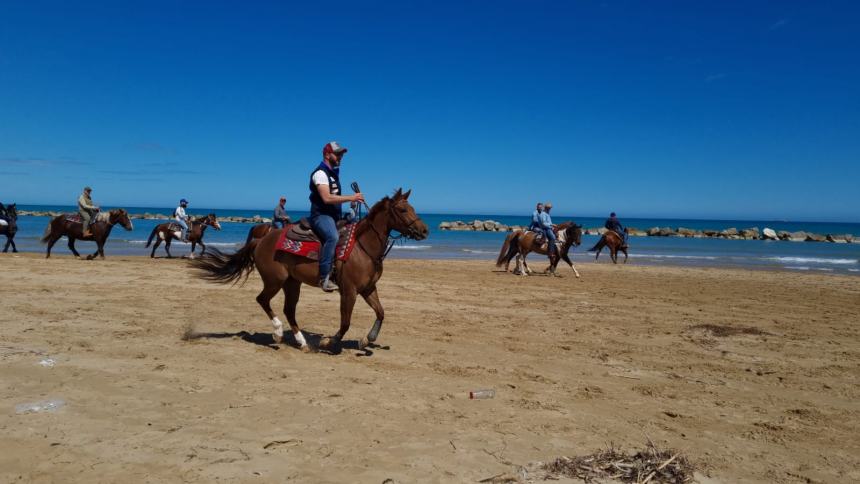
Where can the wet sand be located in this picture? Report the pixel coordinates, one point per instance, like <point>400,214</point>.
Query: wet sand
<point>622,354</point>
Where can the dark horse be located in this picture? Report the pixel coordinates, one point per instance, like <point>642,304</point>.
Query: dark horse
<point>168,232</point>
<point>101,226</point>
<point>258,232</point>
<point>520,243</point>
<point>358,275</point>
<point>10,228</point>
<point>615,243</point>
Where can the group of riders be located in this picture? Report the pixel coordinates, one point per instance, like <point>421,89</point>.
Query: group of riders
<point>326,199</point>
<point>542,224</point>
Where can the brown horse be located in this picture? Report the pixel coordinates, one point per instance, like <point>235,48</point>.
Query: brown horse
<point>101,226</point>
<point>167,232</point>
<point>615,243</point>
<point>258,232</point>
<point>358,275</point>
<point>520,243</point>
<point>10,227</point>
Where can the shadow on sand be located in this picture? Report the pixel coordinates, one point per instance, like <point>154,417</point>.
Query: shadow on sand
<point>266,340</point>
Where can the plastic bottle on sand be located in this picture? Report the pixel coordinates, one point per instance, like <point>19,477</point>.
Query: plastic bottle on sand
<point>481,394</point>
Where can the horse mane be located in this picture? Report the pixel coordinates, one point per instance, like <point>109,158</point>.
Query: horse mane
<point>375,210</point>
<point>103,216</point>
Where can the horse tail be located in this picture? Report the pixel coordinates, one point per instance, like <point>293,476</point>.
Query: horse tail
<point>599,245</point>
<point>46,236</point>
<point>151,236</point>
<point>217,266</point>
<point>503,254</point>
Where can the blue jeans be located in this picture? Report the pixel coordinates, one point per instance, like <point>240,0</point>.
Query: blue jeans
<point>326,229</point>
<point>278,224</point>
<point>184,227</point>
<point>550,238</point>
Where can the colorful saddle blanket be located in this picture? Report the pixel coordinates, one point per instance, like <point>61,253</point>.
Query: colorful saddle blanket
<point>74,217</point>
<point>306,247</point>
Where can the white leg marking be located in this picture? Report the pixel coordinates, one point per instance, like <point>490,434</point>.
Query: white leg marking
<point>300,338</point>
<point>575,271</point>
<point>279,328</point>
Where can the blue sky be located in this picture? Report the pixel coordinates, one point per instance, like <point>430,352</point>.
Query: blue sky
<point>684,109</point>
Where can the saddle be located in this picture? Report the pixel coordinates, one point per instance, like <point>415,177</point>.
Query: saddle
<point>174,227</point>
<point>74,218</point>
<point>300,239</point>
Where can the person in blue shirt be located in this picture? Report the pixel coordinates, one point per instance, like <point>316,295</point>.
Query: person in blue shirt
<point>535,226</point>
<point>325,200</point>
<point>546,225</point>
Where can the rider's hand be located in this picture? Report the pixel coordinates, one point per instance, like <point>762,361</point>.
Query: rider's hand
<point>358,197</point>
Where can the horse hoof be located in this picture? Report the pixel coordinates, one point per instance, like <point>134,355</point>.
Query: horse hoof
<point>279,338</point>
<point>331,344</point>
<point>306,349</point>
<point>364,343</point>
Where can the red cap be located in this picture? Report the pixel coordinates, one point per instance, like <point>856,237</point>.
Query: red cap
<point>333,147</point>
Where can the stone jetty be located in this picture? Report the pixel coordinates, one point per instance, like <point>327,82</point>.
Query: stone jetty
<point>732,233</point>
<point>256,219</point>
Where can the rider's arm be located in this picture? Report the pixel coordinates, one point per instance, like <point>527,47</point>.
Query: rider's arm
<point>331,199</point>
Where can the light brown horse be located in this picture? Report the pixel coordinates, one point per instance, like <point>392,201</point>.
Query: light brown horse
<point>615,243</point>
<point>358,275</point>
<point>167,232</point>
<point>520,243</point>
<point>258,232</point>
<point>101,227</point>
<point>10,227</point>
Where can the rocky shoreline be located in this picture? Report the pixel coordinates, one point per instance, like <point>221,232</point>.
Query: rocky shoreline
<point>256,219</point>
<point>751,233</point>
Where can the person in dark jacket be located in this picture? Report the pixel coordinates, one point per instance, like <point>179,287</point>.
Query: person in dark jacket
<point>614,225</point>
<point>325,208</point>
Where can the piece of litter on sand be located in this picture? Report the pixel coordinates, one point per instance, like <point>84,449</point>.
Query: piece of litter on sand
<point>51,405</point>
<point>481,394</point>
<point>48,362</point>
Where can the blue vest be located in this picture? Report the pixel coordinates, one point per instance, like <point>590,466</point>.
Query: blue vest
<point>318,207</point>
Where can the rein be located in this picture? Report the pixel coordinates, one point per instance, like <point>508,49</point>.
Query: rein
<point>387,240</point>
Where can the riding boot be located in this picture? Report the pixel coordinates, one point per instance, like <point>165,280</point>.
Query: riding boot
<point>327,285</point>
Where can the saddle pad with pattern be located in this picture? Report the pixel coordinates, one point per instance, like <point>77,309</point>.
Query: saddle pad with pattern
<point>74,217</point>
<point>311,248</point>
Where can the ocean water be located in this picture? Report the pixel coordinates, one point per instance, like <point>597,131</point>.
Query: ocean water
<point>821,257</point>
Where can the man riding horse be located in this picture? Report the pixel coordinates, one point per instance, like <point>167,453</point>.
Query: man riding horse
<point>325,200</point>
<point>614,225</point>
<point>88,210</point>
<point>548,232</point>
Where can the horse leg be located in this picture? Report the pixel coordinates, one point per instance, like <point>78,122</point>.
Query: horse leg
<point>347,302</point>
<point>193,247</point>
<point>202,248</point>
<point>12,241</point>
<point>292,290</point>
<point>101,248</point>
<point>625,254</point>
<point>155,246</point>
<point>372,300</point>
<point>72,246</point>
<point>51,243</point>
<point>6,247</point>
<point>264,299</point>
<point>613,254</point>
<point>167,247</point>
<point>526,270</point>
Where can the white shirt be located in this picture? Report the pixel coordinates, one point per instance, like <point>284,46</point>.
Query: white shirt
<point>180,213</point>
<point>320,178</point>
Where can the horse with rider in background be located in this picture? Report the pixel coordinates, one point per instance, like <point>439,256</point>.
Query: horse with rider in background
<point>71,226</point>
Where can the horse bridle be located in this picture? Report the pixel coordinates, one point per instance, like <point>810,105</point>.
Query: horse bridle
<point>388,240</point>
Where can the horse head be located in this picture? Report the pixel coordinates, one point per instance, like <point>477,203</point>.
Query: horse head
<point>574,233</point>
<point>402,217</point>
<point>212,220</point>
<point>120,216</point>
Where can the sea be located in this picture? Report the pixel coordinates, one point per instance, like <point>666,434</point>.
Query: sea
<point>818,257</point>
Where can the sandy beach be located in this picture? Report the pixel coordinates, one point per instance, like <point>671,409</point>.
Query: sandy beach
<point>753,375</point>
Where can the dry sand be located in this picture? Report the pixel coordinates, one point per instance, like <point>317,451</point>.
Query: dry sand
<point>576,365</point>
